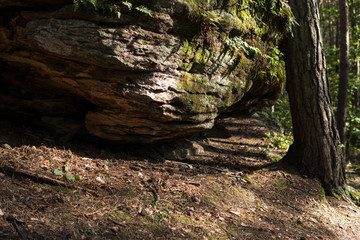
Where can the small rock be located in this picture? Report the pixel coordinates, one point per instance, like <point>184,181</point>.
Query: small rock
<point>7,146</point>
<point>1,213</point>
<point>59,159</point>
<point>87,165</point>
<point>146,212</point>
<point>99,179</point>
<point>190,209</point>
<point>140,174</point>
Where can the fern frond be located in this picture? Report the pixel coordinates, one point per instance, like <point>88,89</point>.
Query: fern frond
<point>145,10</point>
<point>128,4</point>
<point>94,3</point>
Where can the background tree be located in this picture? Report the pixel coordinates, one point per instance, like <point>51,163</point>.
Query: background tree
<point>316,149</point>
<point>330,14</point>
<point>344,69</point>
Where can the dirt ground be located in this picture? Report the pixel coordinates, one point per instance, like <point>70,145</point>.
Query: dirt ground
<point>231,189</point>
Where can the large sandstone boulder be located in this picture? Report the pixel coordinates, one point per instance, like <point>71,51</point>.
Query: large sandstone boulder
<point>135,78</point>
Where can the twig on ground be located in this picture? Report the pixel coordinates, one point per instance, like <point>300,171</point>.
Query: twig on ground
<point>45,179</point>
<point>14,222</point>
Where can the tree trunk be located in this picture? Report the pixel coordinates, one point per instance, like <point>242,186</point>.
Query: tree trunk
<point>316,149</point>
<point>344,69</point>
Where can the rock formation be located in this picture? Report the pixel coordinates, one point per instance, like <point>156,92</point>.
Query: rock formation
<point>137,78</point>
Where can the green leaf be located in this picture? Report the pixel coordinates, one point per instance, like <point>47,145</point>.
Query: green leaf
<point>93,2</point>
<point>128,4</point>
<point>70,177</point>
<point>66,168</point>
<point>106,161</point>
<point>76,6</point>
<point>77,177</point>
<point>58,172</point>
<point>118,13</point>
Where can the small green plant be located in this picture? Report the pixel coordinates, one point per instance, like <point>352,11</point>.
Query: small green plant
<point>238,44</point>
<point>60,172</point>
<point>88,230</point>
<point>276,65</point>
<point>160,215</point>
<point>279,140</point>
<point>145,10</point>
<point>248,179</point>
<point>275,158</point>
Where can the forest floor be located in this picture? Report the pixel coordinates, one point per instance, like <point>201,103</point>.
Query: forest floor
<point>230,189</point>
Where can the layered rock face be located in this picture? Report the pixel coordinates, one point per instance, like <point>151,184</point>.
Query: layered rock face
<point>133,79</point>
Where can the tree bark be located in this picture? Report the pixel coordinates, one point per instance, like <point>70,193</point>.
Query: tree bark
<point>316,149</point>
<point>344,69</point>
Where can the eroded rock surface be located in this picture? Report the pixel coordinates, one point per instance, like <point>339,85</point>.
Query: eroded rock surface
<point>133,79</point>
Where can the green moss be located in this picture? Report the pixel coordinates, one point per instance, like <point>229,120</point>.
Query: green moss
<point>120,216</point>
<point>247,24</point>
<point>235,191</point>
<point>198,103</point>
<point>187,221</point>
<point>131,195</point>
<point>191,235</point>
<point>354,196</point>
<point>193,83</point>
<point>232,232</point>
<point>195,56</point>
<point>280,183</point>
<point>323,195</point>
